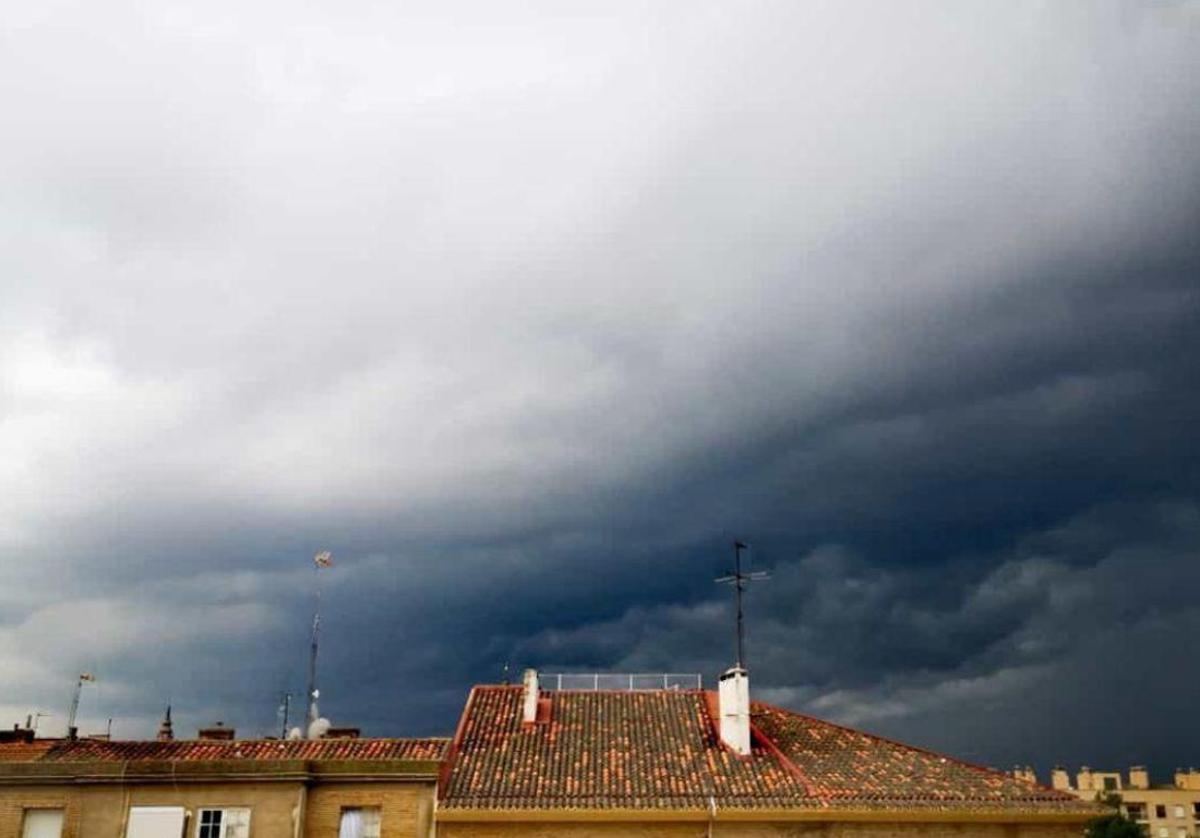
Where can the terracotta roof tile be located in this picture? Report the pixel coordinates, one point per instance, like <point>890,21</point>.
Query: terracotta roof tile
<point>660,750</point>
<point>200,750</point>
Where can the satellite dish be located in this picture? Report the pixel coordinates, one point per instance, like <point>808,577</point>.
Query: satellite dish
<point>319,728</point>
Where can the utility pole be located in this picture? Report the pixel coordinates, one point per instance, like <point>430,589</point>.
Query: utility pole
<point>738,579</point>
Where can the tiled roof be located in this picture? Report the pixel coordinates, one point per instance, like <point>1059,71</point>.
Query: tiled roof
<point>849,767</point>
<point>660,750</point>
<point>201,750</point>
<point>653,750</point>
<point>24,751</point>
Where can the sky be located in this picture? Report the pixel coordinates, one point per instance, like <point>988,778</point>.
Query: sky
<point>527,311</point>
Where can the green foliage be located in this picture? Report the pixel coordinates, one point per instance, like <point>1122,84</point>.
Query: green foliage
<point>1114,826</point>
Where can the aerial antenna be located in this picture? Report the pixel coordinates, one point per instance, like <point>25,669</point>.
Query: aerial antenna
<point>285,708</point>
<point>72,730</point>
<point>321,560</point>
<point>738,578</point>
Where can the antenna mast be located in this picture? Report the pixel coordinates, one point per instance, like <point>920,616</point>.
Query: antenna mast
<point>72,730</point>
<point>739,579</point>
<point>284,710</point>
<point>320,560</point>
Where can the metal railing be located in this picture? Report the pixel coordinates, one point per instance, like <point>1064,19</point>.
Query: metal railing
<point>632,681</point>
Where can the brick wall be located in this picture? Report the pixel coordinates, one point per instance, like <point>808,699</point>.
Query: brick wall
<point>406,809</point>
<point>14,802</point>
<point>98,811</point>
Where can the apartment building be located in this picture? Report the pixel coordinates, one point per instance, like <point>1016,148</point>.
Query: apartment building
<point>217,786</point>
<point>1166,810</point>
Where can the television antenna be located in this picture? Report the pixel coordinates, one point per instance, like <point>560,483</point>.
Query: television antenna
<point>321,560</point>
<point>738,579</point>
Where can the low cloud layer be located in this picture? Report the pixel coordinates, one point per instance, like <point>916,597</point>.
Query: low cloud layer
<point>527,315</point>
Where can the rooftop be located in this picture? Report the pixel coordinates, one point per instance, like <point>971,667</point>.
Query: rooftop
<point>659,750</point>
<point>204,750</point>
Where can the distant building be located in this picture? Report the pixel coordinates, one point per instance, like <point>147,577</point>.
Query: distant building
<point>1168,811</point>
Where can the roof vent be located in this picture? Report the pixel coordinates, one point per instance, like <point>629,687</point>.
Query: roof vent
<point>217,733</point>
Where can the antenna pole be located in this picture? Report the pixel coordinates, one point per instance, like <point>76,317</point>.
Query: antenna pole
<point>312,654</point>
<point>72,730</point>
<point>286,709</point>
<point>739,586</point>
<point>320,560</point>
<point>739,579</point>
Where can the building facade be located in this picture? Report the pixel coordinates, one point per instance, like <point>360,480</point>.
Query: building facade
<point>1166,810</point>
<point>353,788</point>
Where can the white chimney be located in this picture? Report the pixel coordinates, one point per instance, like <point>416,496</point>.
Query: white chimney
<point>529,712</point>
<point>734,704</point>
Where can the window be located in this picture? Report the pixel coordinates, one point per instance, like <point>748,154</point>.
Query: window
<point>1179,812</point>
<point>43,823</point>
<point>1182,832</point>
<point>1160,811</point>
<point>156,822</point>
<point>1196,810</point>
<point>360,822</point>
<point>1163,832</point>
<point>1136,811</point>
<point>223,823</point>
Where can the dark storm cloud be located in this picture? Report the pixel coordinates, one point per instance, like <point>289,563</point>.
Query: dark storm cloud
<point>527,317</point>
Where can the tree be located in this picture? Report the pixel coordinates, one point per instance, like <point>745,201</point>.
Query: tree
<point>1115,825</point>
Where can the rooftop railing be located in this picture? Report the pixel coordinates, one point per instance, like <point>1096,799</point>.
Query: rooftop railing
<point>632,681</point>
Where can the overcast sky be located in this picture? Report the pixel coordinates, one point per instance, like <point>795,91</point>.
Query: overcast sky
<point>526,311</point>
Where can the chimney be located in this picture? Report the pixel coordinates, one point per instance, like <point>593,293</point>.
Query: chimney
<point>1189,779</point>
<point>165,732</point>
<point>1083,780</point>
<point>734,706</point>
<point>1025,774</point>
<point>529,704</point>
<point>1139,777</point>
<point>17,734</point>
<point>217,733</point>
<point>1060,779</point>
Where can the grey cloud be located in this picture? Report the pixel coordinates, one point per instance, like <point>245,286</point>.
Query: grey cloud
<point>526,315</point>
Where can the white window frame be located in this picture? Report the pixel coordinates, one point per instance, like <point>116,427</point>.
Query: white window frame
<point>224,831</point>
<point>38,810</point>
<point>134,811</point>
